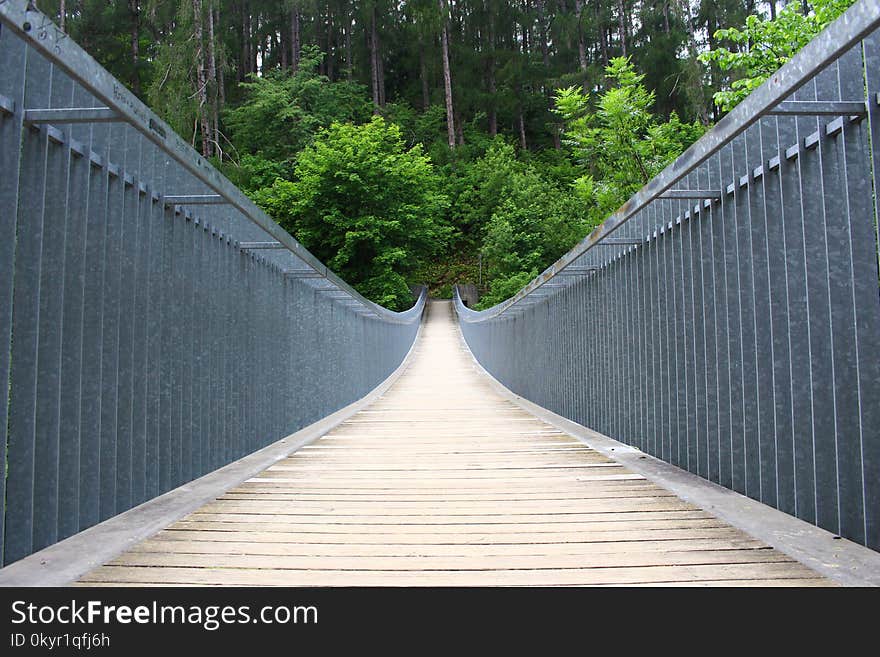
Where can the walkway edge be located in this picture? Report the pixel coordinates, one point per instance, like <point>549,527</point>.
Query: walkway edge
<point>66,561</point>
<point>838,559</point>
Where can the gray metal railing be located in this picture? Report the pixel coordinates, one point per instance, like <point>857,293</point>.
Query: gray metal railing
<point>154,323</point>
<point>727,319</point>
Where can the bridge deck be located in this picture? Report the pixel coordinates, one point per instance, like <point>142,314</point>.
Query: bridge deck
<point>443,482</point>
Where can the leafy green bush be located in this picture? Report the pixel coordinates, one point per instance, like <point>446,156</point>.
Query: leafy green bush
<point>444,291</point>
<point>504,288</point>
<point>366,206</point>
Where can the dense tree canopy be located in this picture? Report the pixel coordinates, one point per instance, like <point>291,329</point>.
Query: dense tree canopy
<point>366,206</point>
<point>441,141</point>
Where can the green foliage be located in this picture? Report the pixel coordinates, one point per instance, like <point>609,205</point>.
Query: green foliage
<point>504,288</point>
<point>621,144</point>
<point>426,127</point>
<point>534,224</point>
<point>478,188</point>
<point>532,219</point>
<point>254,172</point>
<point>556,164</point>
<point>444,291</point>
<point>440,274</point>
<point>366,206</point>
<point>761,46</point>
<point>281,113</point>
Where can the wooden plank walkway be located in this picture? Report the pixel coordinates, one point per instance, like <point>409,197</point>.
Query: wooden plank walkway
<point>443,482</point>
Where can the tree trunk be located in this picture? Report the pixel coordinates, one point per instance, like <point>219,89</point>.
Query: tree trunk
<point>284,44</point>
<point>295,39</point>
<point>423,74</point>
<point>319,37</point>
<point>711,27</point>
<point>380,66</point>
<point>622,23</point>
<point>62,14</point>
<point>603,36</point>
<point>135,44</point>
<point>582,50</point>
<point>522,130</point>
<point>221,82</point>
<point>373,38</point>
<point>201,81</point>
<point>244,57</point>
<point>331,61</point>
<point>253,47</point>
<point>493,111</point>
<point>447,75</point>
<point>212,82</point>
<point>349,62</point>
<point>542,35</point>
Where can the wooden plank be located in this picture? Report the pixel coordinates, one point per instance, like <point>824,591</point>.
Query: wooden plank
<point>472,481</point>
<point>508,577</point>
<point>436,462</point>
<point>607,505</point>
<point>355,450</point>
<point>203,546</point>
<point>394,525</point>
<point>424,501</point>
<point>454,470</point>
<point>472,563</point>
<point>562,489</point>
<point>410,507</point>
<point>428,497</point>
<point>230,533</point>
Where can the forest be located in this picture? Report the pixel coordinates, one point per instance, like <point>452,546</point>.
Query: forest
<point>441,141</point>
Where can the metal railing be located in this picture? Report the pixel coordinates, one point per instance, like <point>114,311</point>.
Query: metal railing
<point>726,319</point>
<point>154,323</point>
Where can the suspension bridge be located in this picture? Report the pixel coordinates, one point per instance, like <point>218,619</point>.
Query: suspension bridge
<point>690,396</point>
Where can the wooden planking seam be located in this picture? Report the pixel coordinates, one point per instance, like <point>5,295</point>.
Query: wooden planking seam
<point>428,564</point>
<point>203,546</point>
<point>611,575</point>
